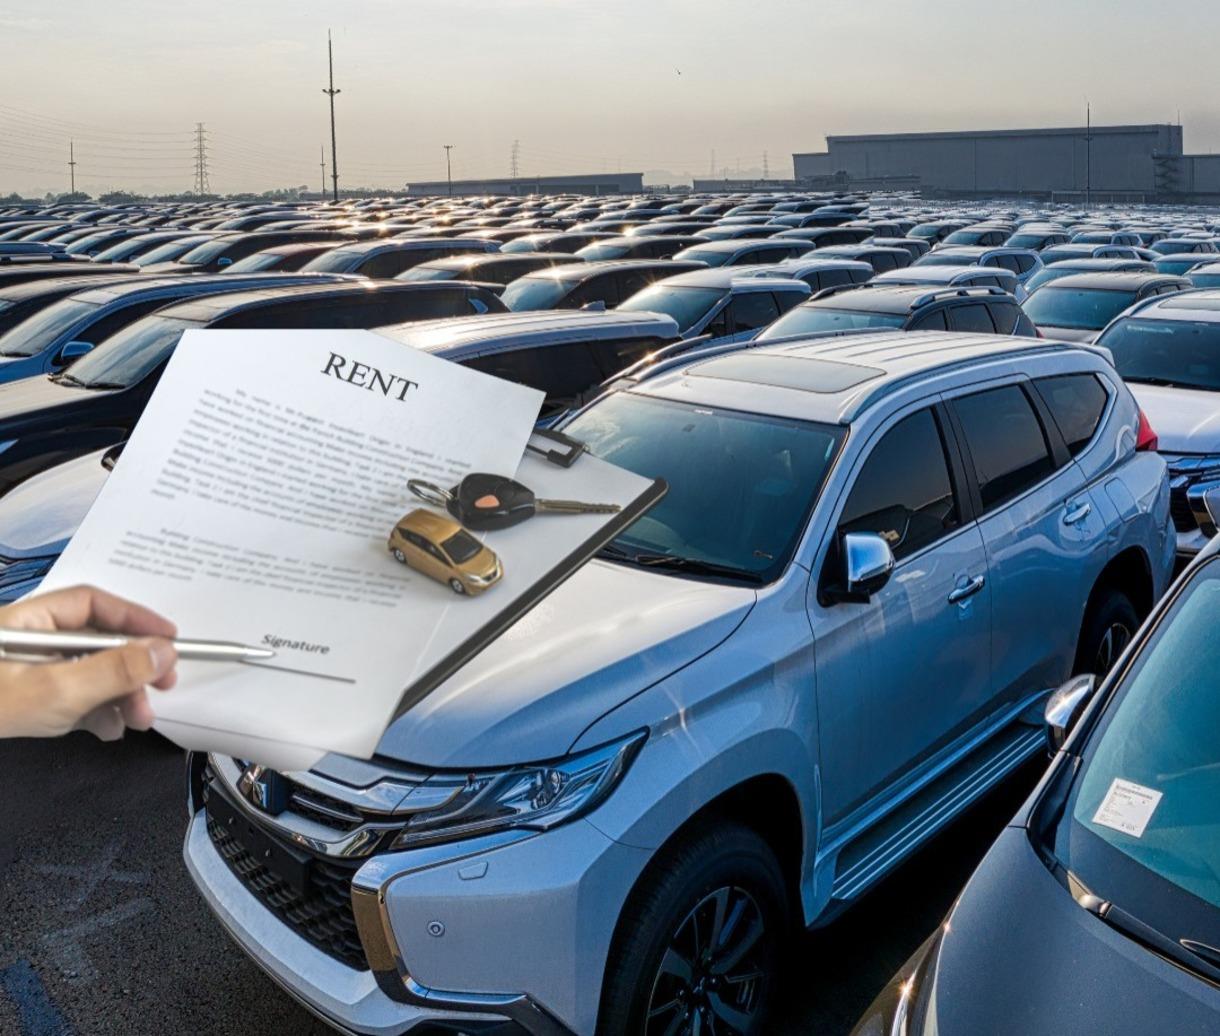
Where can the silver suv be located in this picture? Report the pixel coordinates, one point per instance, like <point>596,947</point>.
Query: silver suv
<point>877,555</point>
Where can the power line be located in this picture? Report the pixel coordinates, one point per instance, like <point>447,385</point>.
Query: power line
<point>330,92</point>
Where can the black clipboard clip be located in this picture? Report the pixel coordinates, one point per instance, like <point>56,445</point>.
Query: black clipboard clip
<point>566,457</point>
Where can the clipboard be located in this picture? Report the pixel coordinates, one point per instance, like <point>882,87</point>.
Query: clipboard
<point>561,450</point>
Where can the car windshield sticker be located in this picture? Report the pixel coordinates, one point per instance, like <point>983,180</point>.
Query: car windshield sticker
<point>1127,807</point>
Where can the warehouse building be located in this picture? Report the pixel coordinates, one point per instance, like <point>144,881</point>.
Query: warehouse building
<point>596,183</point>
<point>1131,162</point>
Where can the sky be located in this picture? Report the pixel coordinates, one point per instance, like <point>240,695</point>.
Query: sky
<point>674,88</point>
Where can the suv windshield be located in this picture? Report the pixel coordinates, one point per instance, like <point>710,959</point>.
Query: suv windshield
<point>1141,822</point>
<point>338,261</point>
<point>1084,309</point>
<point>30,337</point>
<point>169,251</point>
<point>816,319</point>
<point>129,355</point>
<point>686,305</point>
<point>740,485</point>
<point>1181,353</point>
<point>535,292</point>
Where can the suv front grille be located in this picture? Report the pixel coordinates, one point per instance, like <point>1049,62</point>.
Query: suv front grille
<point>1180,511</point>
<point>319,910</point>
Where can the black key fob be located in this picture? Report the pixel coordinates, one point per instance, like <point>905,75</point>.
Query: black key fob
<point>488,502</point>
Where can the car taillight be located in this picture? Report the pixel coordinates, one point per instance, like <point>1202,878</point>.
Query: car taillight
<point>1145,438</point>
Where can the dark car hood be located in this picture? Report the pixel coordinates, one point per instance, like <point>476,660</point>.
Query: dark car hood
<point>1020,956</point>
<point>39,402</point>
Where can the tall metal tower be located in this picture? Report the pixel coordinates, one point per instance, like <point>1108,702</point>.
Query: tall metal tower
<point>330,92</point>
<point>322,148</point>
<point>766,168</point>
<point>449,167</point>
<point>201,160</point>
<point>516,159</point>
<point>72,163</point>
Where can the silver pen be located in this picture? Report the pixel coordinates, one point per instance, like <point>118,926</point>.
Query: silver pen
<point>51,645</point>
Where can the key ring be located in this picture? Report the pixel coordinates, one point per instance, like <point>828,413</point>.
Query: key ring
<point>429,492</point>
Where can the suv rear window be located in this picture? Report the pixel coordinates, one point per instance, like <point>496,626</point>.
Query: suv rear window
<point>971,317</point>
<point>1076,402</point>
<point>1006,443</point>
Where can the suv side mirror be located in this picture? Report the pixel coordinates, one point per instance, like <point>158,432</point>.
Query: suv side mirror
<point>867,564</point>
<point>73,350</point>
<point>223,261</point>
<point>1065,706</point>
<point>597,306</point>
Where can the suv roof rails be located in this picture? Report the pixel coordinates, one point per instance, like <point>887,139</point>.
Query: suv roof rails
<point>961,291</point>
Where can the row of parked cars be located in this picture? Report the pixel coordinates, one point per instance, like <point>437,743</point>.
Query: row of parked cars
<point>930,472</point>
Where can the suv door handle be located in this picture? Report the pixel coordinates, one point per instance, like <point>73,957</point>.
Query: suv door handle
<point>1077,514</point>
<point>969,589</point>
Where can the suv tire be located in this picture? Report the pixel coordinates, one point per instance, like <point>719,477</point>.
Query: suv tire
<point>1109,625</point>
<point>671,959</point>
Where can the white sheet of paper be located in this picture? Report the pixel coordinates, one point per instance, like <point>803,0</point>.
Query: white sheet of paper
<point>1127,807</point>
<point>253,501</point>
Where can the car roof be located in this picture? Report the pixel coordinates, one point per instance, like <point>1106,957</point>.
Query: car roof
<point>1098,264</point>
<point>902,298</point>
<point>1114,280</point>
<point>747,278</point>
<point>155,285</point>
<point>734,244</point>
<point>430,523</point>
<point>579,271</point>
<point>1200,304</point>
<point>210,307</point>
<point>456,335</point>
<point>836,379</point>
<point>469,259</point>
<point>939,274</point>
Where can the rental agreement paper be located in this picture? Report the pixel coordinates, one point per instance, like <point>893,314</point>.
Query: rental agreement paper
<point>253,504</point>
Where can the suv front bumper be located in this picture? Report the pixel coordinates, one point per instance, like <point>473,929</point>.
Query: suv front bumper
<point>446,929</point>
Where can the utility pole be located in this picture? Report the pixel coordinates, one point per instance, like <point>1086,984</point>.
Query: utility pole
<point>516,159</point>
<point>330,92</point>
<point>712,168</point>
<point>1088,154</point>
<point>449,168</point>
<point>322,149</point>
<point>766,168</point>
<point>72,163</point>
<point>202,186</point>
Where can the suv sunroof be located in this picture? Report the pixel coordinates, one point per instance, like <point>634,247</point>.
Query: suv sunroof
<point>805,374</point>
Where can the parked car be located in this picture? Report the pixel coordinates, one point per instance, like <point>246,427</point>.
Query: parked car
<point>282,258</point>
<point>1206,275</point>
<point>171,250</point>
<point>1180,264</point>
<point>97,401</point>
<point>881,259</point>
<point>704,743</point>
<point>20,273</point>
<point>981,234</point>
<point>821,273</point>
<point>953,276</point>
<point>1077,250</point>
<point>638,246</point>
<point>1096,909</point>
<point>1168,351</point>
<point>390,257</point>
<point>826,237</point>
<point>1067,267</point>
<point>555,241</point>
<point>1077,308</point>
<point>1184,246</point>
<point>937,230</point>
<point>21,301</point>
<point>906,308</point>
<point>1037,236</point>
<point>1023,262</point>
<point>724,304</point>
<point>214,255</point>
<point>589,284</point>
<point>744,251</point>
<point>494,268</point>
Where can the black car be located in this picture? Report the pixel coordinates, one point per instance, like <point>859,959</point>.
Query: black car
<point>638,246</point>
<point>96,402</point>
<point>21,301</point>
<point>1098,908</point>
<point>555,241</point>
<point>214,255</point>
<point>491,268</point>
<point>19,273</point>
<point>589,284</point>
<point>390,257</point>
<point>909,308</point>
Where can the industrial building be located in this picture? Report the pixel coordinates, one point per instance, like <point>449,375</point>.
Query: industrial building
<point>594,183</point>
<point>1133,163</point>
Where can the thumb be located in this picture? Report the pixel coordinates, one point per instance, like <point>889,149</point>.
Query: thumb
<point>84,684</point>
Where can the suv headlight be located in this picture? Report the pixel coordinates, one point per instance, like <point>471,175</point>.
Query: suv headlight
<point>535,797</point>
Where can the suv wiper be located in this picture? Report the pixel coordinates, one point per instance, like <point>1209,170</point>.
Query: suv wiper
<point>1197,958</point>
<point>673,562</point>
<point>67,379</point>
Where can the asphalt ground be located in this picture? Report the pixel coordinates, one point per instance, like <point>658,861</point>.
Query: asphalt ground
<point>102,932</point>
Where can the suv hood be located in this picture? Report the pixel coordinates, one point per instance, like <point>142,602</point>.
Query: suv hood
<point>1185,420</point>
<point>608,633</point>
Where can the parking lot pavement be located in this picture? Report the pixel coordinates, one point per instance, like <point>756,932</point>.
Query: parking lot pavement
<point>104,934</point>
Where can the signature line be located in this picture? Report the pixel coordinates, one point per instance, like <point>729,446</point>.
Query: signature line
<point>302,672</point>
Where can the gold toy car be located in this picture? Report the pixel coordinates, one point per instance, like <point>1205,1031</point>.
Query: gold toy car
<point>437,546</point>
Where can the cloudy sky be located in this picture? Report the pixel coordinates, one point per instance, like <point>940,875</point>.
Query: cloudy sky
<point>584,85</point>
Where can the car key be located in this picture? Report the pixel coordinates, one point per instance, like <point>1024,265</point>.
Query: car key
<point>485,502</point>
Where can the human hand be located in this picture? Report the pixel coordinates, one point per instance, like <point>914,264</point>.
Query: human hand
<point>103,692</point>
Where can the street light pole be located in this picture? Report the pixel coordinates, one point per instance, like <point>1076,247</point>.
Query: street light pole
<point>449,168</point>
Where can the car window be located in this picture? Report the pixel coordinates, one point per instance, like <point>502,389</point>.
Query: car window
<point>1005,316</point>
<point>602,288</point>
<point>117,320</point>
<point>1076,402</point>
<point>616,354</point>
<point>753,310</point>
<point>388,264</point>
<point>971,317</point>
<point>861,276</point>
<point>883,262</point>
<point>1005,441</point>
<point>563,372</point>
<point>934,321</point>
<point>903,491</point>
<point>831,279</point>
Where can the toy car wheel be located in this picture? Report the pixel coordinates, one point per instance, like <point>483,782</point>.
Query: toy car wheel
<point>457,586</point>
<point>399,555</point>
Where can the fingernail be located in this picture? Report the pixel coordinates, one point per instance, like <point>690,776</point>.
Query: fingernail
<point>163,655</point>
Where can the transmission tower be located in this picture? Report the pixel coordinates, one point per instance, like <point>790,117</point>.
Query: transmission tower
<point>330,92</point>
<point>202,186</point>
<point>766,168</point>
<point>516,159</point>
<point>72,163</point>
